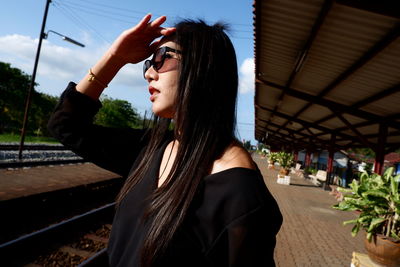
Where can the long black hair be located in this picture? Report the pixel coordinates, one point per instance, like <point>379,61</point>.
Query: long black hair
<point>205,121</point>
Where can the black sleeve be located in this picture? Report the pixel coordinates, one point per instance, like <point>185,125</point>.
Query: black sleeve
<point>248,241</point>
<point>252,239</point>
<point>110,148</point>
<point>251,219</point>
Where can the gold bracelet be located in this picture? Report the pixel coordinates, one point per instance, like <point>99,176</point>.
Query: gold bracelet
<point>93,77</point>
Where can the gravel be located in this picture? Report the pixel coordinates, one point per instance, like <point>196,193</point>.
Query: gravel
<point>37,155</point>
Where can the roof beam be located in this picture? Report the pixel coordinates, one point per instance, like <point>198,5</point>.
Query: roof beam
<point>285,139</point>
<point>378,96</point>
<point>354,130</point>
<point>292,132</point>
<point>327,103</point>
<point>394,133</point>
<point>308,124</point>
<point>390,120</point>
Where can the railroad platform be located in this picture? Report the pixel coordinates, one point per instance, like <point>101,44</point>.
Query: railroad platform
<point>21,182</point>
<point>312,233</point>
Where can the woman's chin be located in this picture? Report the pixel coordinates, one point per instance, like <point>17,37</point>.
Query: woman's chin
<point>162,113</point>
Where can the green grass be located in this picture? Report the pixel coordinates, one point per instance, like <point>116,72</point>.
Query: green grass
<point>7,138</point>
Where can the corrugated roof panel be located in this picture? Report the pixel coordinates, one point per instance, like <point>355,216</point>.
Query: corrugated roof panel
<point>285,23</point>
<point>267,97</point>
<point>353,119</point>
<point>314,113</point>
<point>291,105</point>
<point>278,120</point>
<point>342,143</point>
<point>325,137</point>
<point>345,36</point>
<point>370,129</point>
<point>262,114</point>
<point>315,131</point>
<point>380,73</point>
<point>386,106</point>
<point>333,123</point>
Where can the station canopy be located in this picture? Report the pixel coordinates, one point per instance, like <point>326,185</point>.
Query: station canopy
<point>327,73</point>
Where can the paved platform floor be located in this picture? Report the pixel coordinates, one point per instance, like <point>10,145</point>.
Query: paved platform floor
<point>312,233</point>
<point>28,181</point>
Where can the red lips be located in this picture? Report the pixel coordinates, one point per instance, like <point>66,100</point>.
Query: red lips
<point>153,92</point>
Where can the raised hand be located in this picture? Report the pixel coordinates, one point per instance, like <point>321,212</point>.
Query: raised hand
<point>137,43</point>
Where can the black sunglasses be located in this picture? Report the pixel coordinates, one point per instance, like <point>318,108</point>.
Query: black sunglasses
<point>159,56</point>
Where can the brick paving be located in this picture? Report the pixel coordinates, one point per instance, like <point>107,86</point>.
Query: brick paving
<point>312,233</point>
<point>28,181</point>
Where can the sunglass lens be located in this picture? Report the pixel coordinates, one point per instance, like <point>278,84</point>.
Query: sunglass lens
<point>159,54</point>
<point>146,66</point>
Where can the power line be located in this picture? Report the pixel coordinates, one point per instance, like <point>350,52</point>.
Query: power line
<point>99,14</point>
<point>92,5</point>
<point>103,12</point>
<point>109,7</point>
<point>79,19</point>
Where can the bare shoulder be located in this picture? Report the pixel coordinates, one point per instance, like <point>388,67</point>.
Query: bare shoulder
<point>235,156</point>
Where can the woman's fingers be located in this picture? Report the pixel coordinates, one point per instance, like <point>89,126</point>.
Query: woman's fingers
<point>157,22</point>
<point>150,28</point>
<point>167,31</point>
<point>141,38</point>
<point>145,20</point>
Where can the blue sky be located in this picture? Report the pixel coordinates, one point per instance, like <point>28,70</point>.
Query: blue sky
<point>96,23</point>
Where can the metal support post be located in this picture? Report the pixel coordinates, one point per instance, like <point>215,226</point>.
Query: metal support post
<point>32,84</point>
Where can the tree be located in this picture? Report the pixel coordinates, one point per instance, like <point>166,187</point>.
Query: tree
<point>14,85</point>
<point>117,113</point>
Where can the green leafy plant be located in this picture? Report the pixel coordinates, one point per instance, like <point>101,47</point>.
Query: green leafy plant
<point>285,160</point>
<point>377,198</point>
<point>273,157</point>
<point>311,170</point>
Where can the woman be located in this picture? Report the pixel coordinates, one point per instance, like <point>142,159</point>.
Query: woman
<point>193,196</point>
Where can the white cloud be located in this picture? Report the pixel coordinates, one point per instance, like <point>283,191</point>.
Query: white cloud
<point>131,75</point>
<point>246,76</point>
<point>59,62</point>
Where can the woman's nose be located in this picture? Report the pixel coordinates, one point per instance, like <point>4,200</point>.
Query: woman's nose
<point>150,74</point>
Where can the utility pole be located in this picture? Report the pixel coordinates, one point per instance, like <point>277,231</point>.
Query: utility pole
<point>32,84</point>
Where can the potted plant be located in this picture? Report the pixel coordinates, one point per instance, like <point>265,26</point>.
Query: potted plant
<point>272,158</point>
<point>377,199</point>
<point>285,160</point>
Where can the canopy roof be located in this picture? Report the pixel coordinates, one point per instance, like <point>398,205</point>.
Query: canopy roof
<point>327,72</point>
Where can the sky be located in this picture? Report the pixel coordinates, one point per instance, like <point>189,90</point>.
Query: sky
<point>96,23</point>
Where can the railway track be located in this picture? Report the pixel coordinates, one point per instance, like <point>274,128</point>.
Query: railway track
<point>66,227</point>
<point>80,240</point>
<point>14,147</point>
<point>10,151</point>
